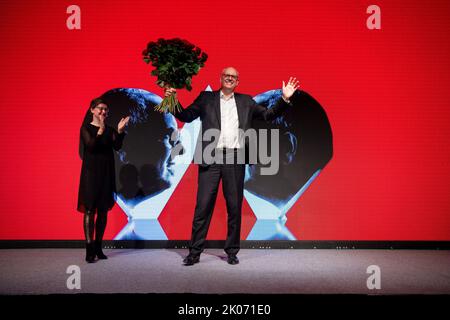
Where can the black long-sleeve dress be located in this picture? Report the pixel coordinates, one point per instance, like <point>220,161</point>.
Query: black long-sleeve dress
<point>97,180</point>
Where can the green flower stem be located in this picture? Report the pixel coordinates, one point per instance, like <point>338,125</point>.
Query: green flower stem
<point>169,104</point>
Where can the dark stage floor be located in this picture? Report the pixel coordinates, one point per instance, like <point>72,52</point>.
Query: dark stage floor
<point>44,271</point>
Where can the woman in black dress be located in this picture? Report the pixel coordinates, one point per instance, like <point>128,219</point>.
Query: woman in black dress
<point>97,180</point>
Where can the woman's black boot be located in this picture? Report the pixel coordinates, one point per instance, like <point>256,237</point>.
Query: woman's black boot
<point>90,252</point>
<point>98,250</point>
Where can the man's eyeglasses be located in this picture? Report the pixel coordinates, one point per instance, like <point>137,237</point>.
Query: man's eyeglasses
<point>226,75</point>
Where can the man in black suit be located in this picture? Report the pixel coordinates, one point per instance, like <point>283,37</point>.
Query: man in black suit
<point>228,113</point>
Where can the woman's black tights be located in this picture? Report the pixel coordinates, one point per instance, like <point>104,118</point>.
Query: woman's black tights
<point>94,248</point>
<point>90,225</point>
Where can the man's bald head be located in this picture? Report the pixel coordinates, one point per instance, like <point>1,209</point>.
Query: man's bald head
<point>229,80</point>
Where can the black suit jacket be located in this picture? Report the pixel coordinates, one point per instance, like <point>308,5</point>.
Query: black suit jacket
<point>207,107</point>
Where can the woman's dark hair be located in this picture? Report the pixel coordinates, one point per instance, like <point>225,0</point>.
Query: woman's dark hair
<point>87,119</point>
<point>96,102</point>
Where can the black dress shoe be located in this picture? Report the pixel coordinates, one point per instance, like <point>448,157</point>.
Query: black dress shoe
<point>191,259</point>
<point>232,259</point>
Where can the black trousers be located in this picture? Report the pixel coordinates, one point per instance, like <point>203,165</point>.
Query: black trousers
<point>232,176</point>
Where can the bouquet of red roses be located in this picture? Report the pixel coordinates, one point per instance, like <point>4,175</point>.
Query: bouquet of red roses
<point>176,61</point>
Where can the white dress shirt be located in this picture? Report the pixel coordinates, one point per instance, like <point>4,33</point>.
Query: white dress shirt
<point>229,123</point>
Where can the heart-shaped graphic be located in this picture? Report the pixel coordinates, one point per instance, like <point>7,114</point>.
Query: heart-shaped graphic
<point>146,174</point>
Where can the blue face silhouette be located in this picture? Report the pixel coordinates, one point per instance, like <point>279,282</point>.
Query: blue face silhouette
<point>143,165</point>
<point>151,162</point>
<point>305,147</point>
